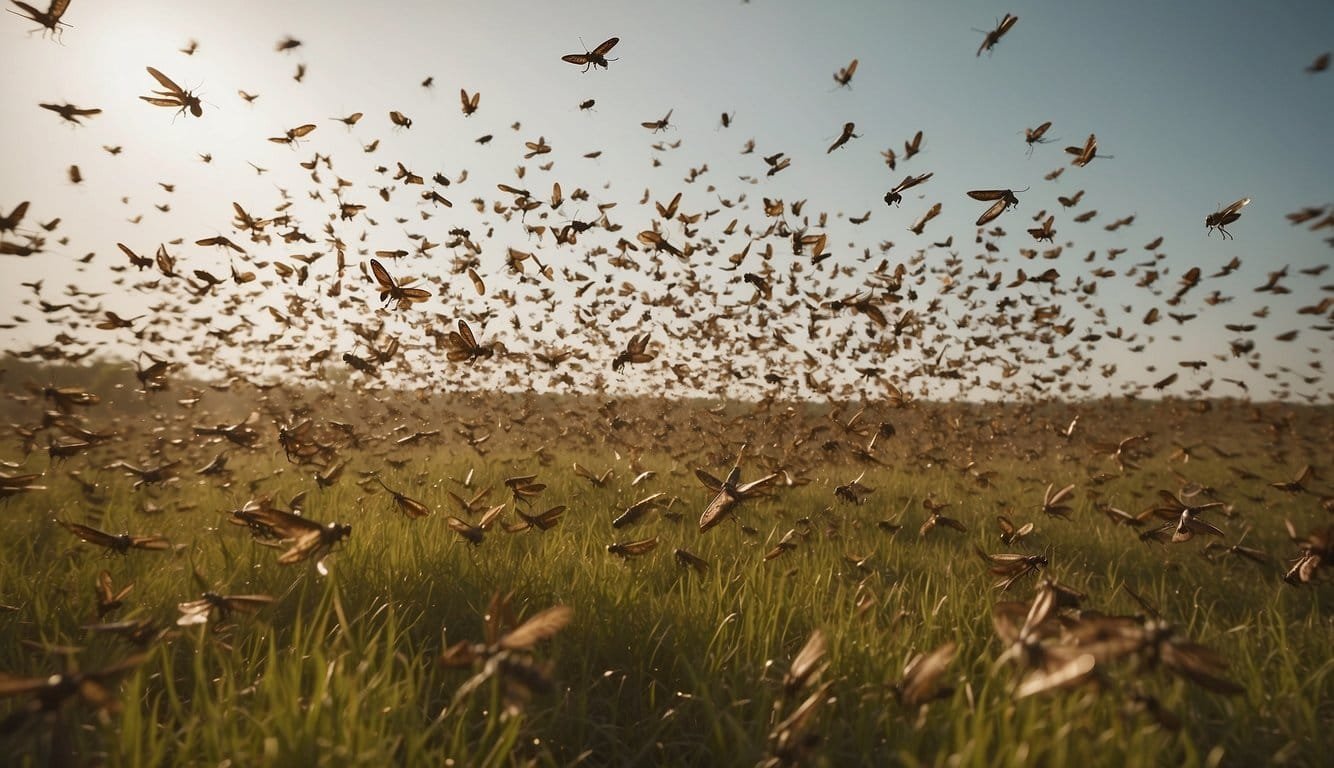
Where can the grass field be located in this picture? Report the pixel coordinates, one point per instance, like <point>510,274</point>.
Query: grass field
<point>660,663</point>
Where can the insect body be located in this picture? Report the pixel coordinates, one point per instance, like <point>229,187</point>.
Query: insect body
<point>1224,217</point>
<point>594,58</point>
<point>1004,199</point>
<point>173,96</point>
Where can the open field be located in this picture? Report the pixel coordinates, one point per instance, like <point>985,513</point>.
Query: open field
<point>660,663</point>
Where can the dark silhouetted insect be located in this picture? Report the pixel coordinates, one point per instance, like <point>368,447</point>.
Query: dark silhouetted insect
<point>463,345</point>
<point>843,137</point>
<point>1004,199</point>
<point>50,693</point>
<point>290,138</point>
<point>920,225</point>
<point>994,36</point>
<point>469,102</point>
<point>1044,232</point>
<point>594,58</point>
<point>118,543</point>
<point>173,96</point>
<point>399,119</point>
<point>10,222</point>
<point>1320,64</point>
<point>629,549</point>
<point>49,19</point>
<point>70,112</point>
<point>635,352</point>
<point>895,195</point>
<point>1034,136</point>
<point>1226,216</point>
<point>844,76</point>
<point>410,507</point>
<point>661,124</point>
<point>391,290</point>
<point>1085,154</point>
<point>108,597</point>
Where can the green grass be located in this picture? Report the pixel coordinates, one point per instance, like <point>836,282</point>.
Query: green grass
<point>661,665</point>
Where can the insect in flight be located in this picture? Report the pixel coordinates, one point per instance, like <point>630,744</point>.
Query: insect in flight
<point>594,58</point>
<point>895,195</point>
<point>1004,199</point>
<point>392,290</point>
<point>1224,217</point>
<point>49,19</point>
<point>173,96</point>
<point>994,36</point>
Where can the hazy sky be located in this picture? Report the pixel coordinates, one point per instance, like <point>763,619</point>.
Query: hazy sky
<point>1198,103</point>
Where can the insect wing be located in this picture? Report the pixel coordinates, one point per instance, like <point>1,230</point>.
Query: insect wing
<point>996,209</point>
<point>172,87</point>
<point>606,46</point>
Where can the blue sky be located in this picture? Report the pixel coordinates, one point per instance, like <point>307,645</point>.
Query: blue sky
<point>1199,103</point>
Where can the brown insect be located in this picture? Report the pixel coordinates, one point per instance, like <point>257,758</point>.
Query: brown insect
<point>201,610</point>
<point>844,75</point>
<point>49,19</point>
<point>350,120</point>
<point>661,124</point>
<point>1011,567</point>
<point>932,212</point>
<point>994,36</point>
<point>690,560</point>
<point>920,683</point>
<point>173,96</point>
<point>1222,218</point>
<point>108,597</point>
<point>912,146</point>
<point>729,493</point>
<point>629,549</point>
<point>637,510</point>
<point>410,507</point>
<point>469,102</point>
<point>843,138</point>
<point>594,58</point>
<point>391,290</point>
<point>118,543</point>
<point>399,119</point>
<point>70,112</point>
<point>463,345</point>
<point>1035,136</point>
<point>1320,64</point>
<point>507,653</point>
<point>1009,532</point>
<point>291,136</point>
<point>10,222</point>
<point>1004,200</point>
<point>1044,232</point>
<point>636,351</point>
<point>50,692</point>
<point>895,195</point>
<point>1085,154</point>
<point>543,521</point>
<point>1051,502</point>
